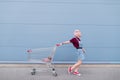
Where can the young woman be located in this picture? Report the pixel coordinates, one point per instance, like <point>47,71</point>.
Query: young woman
<point>76,41</point>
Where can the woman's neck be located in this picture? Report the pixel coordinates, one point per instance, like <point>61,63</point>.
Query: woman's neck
<point>77,36</point>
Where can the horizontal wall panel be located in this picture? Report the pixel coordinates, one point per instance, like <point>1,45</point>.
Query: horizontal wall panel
<point>28,24</point>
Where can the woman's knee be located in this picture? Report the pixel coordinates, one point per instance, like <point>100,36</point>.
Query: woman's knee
<point>79,61</point>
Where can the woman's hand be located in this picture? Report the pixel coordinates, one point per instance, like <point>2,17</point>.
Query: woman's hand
<point>84,51</point>
<point>59,44</point>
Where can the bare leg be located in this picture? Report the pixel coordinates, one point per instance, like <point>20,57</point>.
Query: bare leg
<point>77,69</point>
<point>76,66</point>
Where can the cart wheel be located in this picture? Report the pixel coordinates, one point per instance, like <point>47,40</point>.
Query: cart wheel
<point>32,73</point>
<point>34,70</point>
<point>55,74</point>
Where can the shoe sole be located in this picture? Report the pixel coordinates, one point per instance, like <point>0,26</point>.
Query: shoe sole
<point>77,74</point>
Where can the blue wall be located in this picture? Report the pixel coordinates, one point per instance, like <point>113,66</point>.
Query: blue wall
<point>26,24</point>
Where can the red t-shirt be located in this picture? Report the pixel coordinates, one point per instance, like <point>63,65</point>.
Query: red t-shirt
<point>75,42</point>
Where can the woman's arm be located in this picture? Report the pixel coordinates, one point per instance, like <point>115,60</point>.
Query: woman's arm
<point>66,42</point>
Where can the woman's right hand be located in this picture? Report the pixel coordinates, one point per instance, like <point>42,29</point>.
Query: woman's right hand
<point>59,44</point>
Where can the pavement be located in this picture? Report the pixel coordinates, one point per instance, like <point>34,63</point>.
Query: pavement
<point>88,72</point>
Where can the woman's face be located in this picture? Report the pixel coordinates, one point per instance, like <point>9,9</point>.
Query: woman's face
<point>77,33</point>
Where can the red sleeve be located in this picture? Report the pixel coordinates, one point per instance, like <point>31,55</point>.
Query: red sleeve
<point>74,42</point>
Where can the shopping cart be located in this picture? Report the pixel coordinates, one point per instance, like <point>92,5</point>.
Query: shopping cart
<point>44,56</point>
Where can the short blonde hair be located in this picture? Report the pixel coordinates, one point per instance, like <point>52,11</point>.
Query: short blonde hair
<point>76,31</point>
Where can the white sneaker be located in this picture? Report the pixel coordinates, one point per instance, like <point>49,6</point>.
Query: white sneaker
<point>77,73</point>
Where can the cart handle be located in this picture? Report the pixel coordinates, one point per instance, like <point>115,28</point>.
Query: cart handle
<point>29,51</point>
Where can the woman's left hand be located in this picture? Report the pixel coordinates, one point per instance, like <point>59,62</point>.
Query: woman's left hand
<point>83,50</point>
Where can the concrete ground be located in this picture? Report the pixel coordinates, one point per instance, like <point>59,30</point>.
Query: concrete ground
<point>89,72</point>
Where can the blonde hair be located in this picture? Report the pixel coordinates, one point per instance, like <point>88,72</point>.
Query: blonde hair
<point>76,32</point>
